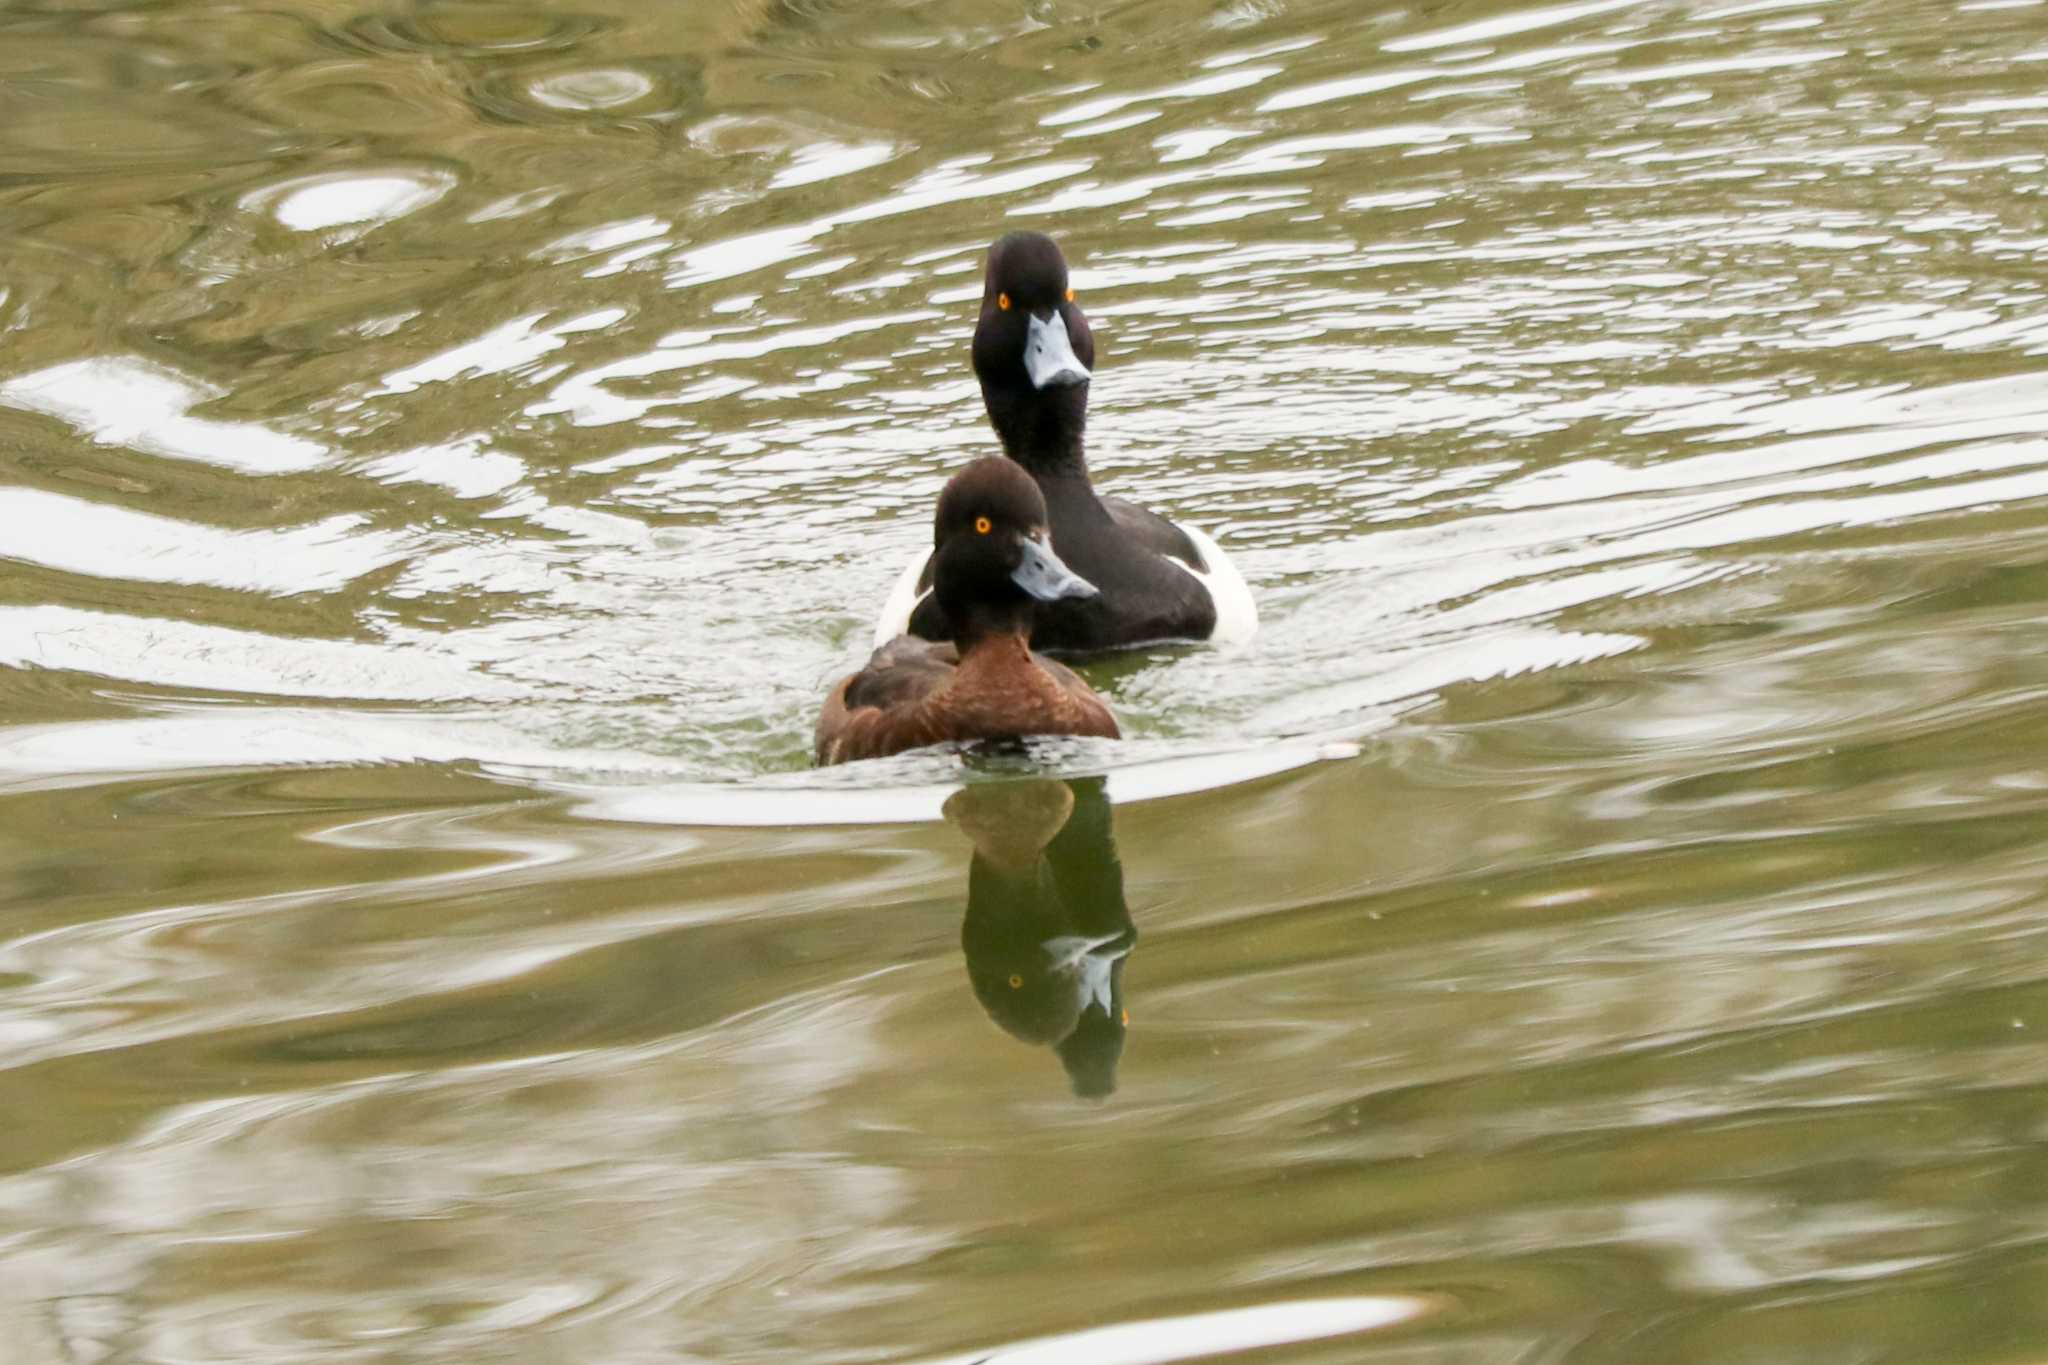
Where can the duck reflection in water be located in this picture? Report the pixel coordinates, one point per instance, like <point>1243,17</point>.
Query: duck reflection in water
<point>1047,931</point>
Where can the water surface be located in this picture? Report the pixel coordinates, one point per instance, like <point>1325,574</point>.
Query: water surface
<point>446,450</point>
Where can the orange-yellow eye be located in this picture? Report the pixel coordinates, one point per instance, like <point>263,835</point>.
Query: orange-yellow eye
<point>1016,983</point>
<point>1003,302</point>
<point>982,525</point>
<point>1070,296</point>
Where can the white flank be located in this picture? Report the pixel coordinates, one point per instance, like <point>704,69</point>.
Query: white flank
<point>1237,616</point>
<point>903,600</point>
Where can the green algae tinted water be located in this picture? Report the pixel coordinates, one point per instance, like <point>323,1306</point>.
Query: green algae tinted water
<point>446,450</point>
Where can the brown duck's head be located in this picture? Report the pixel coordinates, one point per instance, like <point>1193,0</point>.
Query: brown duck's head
<point>1033,351</point>
<point>993,559</point>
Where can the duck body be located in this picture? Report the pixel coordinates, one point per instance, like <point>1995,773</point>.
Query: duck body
<point>1157,581</point>
<point>916,692</point>
<point>1164,582</point>
<point>991,566</point>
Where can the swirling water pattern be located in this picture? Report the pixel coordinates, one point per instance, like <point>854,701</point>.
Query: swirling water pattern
<point>446,449</point>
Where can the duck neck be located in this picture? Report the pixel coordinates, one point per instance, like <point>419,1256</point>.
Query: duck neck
<point>1043,431</point>
<point>992,637</point>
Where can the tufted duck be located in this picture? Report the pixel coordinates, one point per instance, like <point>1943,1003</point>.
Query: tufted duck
<point>992,565</point>
<point>1034,355</point>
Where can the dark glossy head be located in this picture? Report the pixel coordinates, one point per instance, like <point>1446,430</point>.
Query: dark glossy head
<point>993,559</point>
<point>1033,352</point>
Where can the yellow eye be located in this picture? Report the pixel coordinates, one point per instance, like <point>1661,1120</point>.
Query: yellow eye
<point>982,525</point>
<point>1070,296</point>
<point>1003,302</point>
<point>1016,983</point>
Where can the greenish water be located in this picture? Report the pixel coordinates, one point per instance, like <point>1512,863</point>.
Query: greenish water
<point>446,451</point>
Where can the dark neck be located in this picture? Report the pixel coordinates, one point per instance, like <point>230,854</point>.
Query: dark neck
<point>1041,431</point>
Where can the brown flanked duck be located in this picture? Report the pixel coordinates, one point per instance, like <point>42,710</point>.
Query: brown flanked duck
<point>992,564</point>
<point>1159,580</point>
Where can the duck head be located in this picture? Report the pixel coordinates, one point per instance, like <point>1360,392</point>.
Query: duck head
<point>1033,352</point>
<point>993,559</point>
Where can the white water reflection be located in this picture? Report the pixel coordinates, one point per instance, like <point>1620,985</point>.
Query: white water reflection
<point>1678,71</point>
<point>129,401</point>
<point>84,537</point>
<point>1504,26</point>
<point>829,160</point>
<point>1099,106</point>
<point>183,654</point>
<point>592,89</point>
<point>1160,1341</point>
<point>465,468</point>
<point>510,346</point>
<point>351,198</point>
